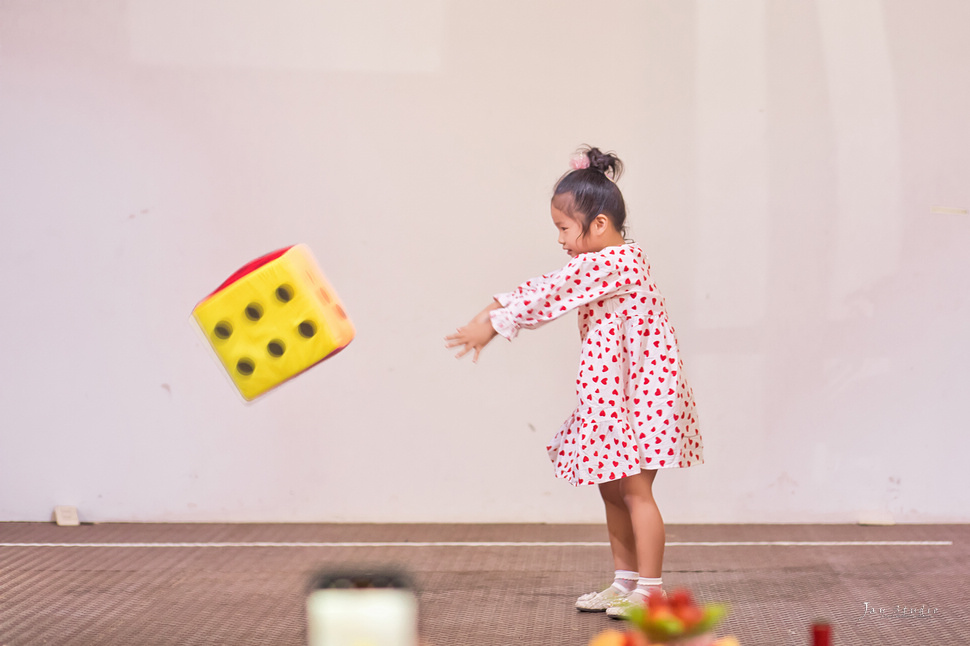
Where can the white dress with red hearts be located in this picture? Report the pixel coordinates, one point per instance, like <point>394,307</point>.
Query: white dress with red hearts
<point>635,408</point>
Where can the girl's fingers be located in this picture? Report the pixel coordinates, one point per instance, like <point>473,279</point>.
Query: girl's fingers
<point>455,339</point>
<point>462,338</point>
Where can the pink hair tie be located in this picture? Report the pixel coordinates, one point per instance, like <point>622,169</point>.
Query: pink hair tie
<point>579,162</point>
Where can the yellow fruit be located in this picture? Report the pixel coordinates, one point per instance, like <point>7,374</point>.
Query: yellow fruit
<point>608,638</point>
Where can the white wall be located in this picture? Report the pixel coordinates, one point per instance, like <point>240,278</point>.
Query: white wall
<point>786,165</point>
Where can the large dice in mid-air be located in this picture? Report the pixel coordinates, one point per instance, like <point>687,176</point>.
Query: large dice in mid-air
<point>273,319</point>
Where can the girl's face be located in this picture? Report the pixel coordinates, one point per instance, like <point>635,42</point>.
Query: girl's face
<point>601,233</point>
<point>570,233</point>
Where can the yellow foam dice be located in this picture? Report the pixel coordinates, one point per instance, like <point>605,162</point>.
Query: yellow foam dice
<point>273,319</point>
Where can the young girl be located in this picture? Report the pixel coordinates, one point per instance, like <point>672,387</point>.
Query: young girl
<point>635,411</point>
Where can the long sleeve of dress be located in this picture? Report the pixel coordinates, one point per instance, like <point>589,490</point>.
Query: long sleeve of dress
<point>586,278</point>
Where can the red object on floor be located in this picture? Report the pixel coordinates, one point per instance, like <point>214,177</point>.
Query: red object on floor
<point>821,634</point>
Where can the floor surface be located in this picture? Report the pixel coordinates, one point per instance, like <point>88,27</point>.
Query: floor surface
<point>477,585</point>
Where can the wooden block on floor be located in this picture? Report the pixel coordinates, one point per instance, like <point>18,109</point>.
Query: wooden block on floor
<point>66,516</point>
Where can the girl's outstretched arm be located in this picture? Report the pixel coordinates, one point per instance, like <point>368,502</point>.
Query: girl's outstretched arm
<point>586,278</point>
<point>476,334</point>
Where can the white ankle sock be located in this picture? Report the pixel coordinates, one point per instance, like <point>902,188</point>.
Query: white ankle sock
<point>645,585</point>
<point>625,581</point>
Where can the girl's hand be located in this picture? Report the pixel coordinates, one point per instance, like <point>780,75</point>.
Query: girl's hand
<point>475,335</point>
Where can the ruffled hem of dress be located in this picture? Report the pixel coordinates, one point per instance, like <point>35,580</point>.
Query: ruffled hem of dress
<point>576,481</point>
<point>594,464</point>
<point>579,467</point>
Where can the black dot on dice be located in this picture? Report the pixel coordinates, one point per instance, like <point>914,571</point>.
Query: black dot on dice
<point>276,348</point>
<point>222,330</point>
<point>284,293</point>
<point>254,311</point>
<point>307,329</point>
<point>245,367</point>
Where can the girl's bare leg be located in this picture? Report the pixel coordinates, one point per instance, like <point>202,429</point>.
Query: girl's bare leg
<point>645,522</point>
<point>622,540</point>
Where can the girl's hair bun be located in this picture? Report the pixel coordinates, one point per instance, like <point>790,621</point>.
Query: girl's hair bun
<point>590,188</point>
<point>607,163</point>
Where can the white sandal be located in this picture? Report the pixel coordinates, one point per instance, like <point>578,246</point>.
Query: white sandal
<point>620,608</point>
<point>600,601</point>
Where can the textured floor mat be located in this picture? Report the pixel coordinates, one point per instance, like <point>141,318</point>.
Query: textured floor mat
<point>478,585</point>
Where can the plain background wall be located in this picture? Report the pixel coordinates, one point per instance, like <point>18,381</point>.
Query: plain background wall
<point>797,171</point>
